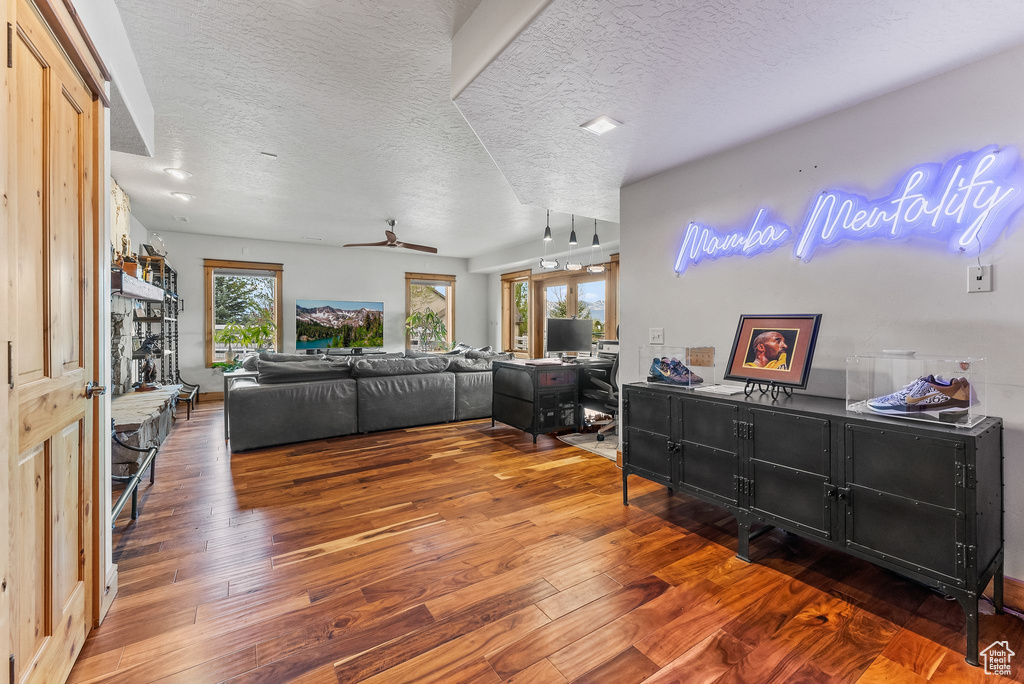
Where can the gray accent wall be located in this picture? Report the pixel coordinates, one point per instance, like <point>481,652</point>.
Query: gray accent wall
<point>873,295</point>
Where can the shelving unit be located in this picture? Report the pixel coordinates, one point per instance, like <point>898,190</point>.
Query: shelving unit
<point>159,316</point>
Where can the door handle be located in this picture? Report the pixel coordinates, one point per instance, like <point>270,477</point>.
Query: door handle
<point>93,390</point>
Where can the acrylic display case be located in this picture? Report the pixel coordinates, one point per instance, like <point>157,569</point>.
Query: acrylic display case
<point>682,366</point>
<point>910,386</point>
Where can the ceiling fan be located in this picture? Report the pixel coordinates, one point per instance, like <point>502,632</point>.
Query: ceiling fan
<point>393,241</point>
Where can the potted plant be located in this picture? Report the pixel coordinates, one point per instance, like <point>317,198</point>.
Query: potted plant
<point>429,327</point>
<point>257,333</point>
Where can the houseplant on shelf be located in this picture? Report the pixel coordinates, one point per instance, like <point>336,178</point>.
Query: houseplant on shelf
<point>429,327</point>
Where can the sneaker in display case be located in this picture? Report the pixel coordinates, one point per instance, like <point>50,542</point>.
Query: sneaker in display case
<point>683,366</point>
<point>904,384</point>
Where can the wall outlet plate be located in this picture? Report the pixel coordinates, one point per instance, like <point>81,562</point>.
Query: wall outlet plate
<point>657,336</point>
<point>979,278</point>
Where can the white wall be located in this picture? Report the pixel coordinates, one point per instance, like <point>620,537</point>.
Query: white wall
<point>315,272</point>
<point>873,295</point>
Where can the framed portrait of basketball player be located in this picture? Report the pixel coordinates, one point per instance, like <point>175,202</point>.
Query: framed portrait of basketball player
<point>774,348</point>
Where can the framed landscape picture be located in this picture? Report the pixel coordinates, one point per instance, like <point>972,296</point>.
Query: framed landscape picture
<point>774,348</point>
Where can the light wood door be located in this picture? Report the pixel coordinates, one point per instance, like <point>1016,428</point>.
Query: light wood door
<point>50,451</point>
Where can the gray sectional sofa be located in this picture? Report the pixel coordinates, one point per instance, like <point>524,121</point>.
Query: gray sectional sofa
<point>295,398</point>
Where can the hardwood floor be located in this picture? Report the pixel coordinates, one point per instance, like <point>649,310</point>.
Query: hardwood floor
<point>462,553</point>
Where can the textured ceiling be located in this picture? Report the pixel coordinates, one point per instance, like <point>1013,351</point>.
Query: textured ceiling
<point>353,95</point>
<point>693,77</point>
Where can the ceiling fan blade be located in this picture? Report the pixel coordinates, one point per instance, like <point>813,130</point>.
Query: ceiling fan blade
<point>391,236</point>
<point>368,244</point>
<point>418,248</point>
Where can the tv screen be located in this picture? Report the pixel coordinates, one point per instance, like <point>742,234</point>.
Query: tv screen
<point>570,334</point>
<point>321,324</point>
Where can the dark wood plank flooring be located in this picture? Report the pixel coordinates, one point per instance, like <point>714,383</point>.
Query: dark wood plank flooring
<point>462,553</point>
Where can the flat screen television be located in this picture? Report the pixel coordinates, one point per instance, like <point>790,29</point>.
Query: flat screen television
<point>570,334</point>
<point>325,324</point>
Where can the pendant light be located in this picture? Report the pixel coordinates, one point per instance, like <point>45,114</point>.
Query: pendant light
<point>545,262</point>
<point>570,265</point>
<point>595,268</point>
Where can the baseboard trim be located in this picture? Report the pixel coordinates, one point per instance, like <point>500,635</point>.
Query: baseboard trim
<point>211,396</point>
<point>1013,594</point>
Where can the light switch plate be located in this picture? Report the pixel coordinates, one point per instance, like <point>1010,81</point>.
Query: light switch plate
<point>657,336</point>
<point>979,278</point>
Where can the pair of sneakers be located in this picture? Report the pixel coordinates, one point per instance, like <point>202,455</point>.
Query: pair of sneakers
<point>672,370</point>
<point>927,393</point>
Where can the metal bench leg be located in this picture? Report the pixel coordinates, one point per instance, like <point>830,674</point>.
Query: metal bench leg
<point>135,502</point>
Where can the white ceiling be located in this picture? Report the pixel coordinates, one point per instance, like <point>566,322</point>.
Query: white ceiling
<point>352,95</point>
<point>693,77</point>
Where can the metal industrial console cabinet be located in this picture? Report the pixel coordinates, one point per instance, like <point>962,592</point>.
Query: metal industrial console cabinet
<point>536,399</point>
<point>924,501</point>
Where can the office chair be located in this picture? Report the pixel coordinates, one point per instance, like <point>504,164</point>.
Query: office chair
<point>608,394</point>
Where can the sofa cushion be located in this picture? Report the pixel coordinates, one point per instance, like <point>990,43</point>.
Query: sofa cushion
<point>280,358</point>
<point>373,368</point>
<point>303,371</point>
<point>386,403</point>
<point>472,395</point>
<point>480,354</point>
<point>249,363</point>
<point>465,365</point>
<point>413,354</point>
<point>265,415</point>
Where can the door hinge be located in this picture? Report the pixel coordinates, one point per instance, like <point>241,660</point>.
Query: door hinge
<point>10,45</point>
<point>742,429</point>
<point>966,556</point>
<point>10,364</point>
<point>965,476</point>
<point>743,485</point>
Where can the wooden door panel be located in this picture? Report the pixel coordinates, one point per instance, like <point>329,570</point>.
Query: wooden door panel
<point>66,216</point>
<point>29,530</point>
<point>66,533</point>
<point>31,78</point>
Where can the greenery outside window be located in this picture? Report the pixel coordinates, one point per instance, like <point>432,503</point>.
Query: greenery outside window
<point>243,308</point>
<point>429,311</point>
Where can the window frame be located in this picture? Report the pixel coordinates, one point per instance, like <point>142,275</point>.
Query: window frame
<point>572,279</point>
<point>508,281</point>
<point>212,266</point>
<point>449,280</point>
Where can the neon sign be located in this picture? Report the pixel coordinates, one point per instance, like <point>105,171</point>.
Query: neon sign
<point>968,202</point>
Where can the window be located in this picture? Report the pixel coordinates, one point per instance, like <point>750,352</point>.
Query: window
<point>429,311</point>
<point>515,312</point>
<point>243,308</point>
<point>579,295</point>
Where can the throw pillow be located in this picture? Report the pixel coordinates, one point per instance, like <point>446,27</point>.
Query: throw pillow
<point>275,357</point>
<point>371,368</point>
<point>276,372</point>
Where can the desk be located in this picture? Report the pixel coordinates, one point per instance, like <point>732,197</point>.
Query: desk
<point>536,399</point>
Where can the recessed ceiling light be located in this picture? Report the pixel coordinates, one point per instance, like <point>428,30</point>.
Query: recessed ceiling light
<point>180,174</point>
<point>182,219</point>
<point>601,124</point>
<point>271,155</point>
<point>183,196</point>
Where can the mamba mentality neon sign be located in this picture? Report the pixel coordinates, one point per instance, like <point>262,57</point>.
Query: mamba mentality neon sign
<point>968,202</point>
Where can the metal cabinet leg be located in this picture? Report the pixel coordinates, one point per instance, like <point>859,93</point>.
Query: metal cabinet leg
<point>997,589</point>
<point>743,539</point>
<point>969,602</point>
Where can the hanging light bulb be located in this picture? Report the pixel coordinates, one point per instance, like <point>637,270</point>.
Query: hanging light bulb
<point>595,268</point>
<point>572,235</point>
<point>547,228</point>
